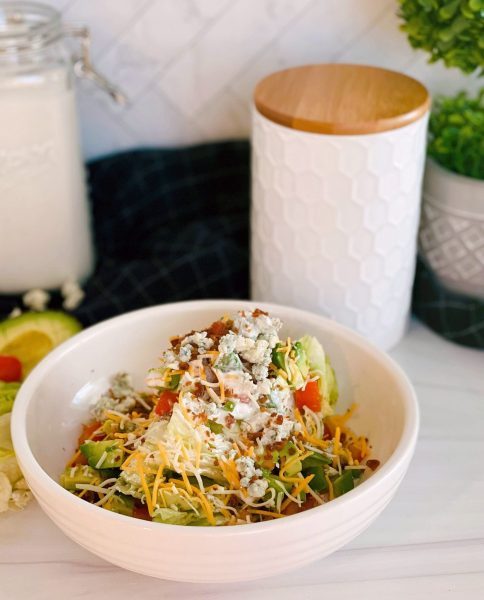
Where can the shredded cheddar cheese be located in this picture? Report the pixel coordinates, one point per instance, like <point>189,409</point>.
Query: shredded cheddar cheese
<point>225,444</point>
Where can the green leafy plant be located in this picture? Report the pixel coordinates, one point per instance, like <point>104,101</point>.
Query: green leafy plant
<point>450,30</point>
<point>456,131</point>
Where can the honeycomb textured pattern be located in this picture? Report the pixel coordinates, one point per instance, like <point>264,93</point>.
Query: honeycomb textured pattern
<point>334,223</point>
<point>451,238</point>
<point>454,247</point>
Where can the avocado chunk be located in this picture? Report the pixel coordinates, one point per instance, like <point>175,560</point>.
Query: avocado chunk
<point>103,455</point>
<point>79,474</point>
<point>32,335</point>
<point>287,453</point>
<point>278,356</point>
<point>343,484</point>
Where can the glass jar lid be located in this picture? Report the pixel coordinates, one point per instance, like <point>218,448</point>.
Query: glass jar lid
<point>27,26</point>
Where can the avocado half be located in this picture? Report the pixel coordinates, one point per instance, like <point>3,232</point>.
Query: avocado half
<point>32,335</point>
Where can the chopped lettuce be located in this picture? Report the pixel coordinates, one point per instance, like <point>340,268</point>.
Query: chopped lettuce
<point>173,516</point>
<point>319,364</point>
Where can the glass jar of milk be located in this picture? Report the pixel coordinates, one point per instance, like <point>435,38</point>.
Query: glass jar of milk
<point>45,233</point>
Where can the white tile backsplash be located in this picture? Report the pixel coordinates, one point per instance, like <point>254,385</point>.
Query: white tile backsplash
<point>189,66</point>
<point>214,60</point>
<point>153,118</point>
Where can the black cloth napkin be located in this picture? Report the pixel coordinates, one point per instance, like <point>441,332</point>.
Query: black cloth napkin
<point>173,225</point>
<point>169,225</point>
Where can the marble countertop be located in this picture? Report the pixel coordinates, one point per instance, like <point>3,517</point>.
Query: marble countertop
<point>429,540</point>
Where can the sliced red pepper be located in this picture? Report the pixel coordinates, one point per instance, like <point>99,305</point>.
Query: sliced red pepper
<point>309,396</point>
<point>165,403</point>
<point>10,369</point>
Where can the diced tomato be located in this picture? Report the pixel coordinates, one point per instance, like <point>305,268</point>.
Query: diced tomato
<point>140,511</point>
<point>80,460</point>
<point>10,368</point>
<point>309,397</point>
<point>165,403</point>
<point>87,432</point>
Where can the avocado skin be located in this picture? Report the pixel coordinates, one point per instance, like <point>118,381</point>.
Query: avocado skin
<point>58,325</point>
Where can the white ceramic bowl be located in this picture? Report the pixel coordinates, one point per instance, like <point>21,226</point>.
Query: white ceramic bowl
<point>54,401</point>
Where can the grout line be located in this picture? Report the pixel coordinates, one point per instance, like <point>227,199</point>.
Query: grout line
<point>228,86</point>
<point>361,34</point>
<point>159,72</point>
<point>139,12</point>
<point>124,117</point>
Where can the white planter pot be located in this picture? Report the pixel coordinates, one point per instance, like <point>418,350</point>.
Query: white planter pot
<point>451,239</point>
<point>334,223</point>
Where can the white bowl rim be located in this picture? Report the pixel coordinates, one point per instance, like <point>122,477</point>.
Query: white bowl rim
<point>27,460</point>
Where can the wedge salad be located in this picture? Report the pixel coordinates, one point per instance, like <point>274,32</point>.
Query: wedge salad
<point>237,427</point>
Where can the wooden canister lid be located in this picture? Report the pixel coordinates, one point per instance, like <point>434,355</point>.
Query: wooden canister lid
<point>341,99</point>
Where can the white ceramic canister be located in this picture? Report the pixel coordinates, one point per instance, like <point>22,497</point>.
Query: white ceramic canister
<point>45,235</point>
<point>337,160</point>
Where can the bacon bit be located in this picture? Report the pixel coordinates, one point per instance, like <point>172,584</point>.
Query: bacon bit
<point>229,420</point>
<point>276,446</point>
<point>198,389</point>
<point>218,329</point>
<point>310,502</point>
<point>279,420</point>
<point>258,312</point>
<point>373,464</point>
<point>291,509</point>
<point>184,366</point>
<point>175,340</point>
